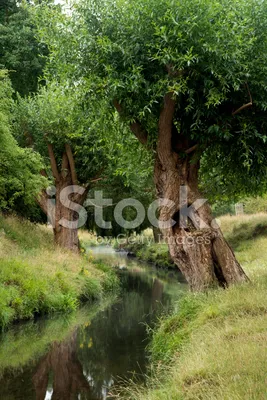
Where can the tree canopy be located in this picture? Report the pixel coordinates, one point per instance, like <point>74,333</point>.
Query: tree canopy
<point>211,55</point>
<point>20,52</point>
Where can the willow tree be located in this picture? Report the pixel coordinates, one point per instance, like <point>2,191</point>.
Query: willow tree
<point>56,124</point>
<point>189,80</point>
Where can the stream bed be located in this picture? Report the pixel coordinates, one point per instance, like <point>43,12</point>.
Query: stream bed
<point>82,355</point>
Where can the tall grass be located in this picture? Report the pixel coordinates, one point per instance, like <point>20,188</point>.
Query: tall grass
<point>214,345</point>
<point>36,277</point>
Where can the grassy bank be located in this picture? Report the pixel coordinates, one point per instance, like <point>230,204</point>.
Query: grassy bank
<point>142,246</point>
<point>37,278</point>
<point>151,252</point>
<point>213,346</point>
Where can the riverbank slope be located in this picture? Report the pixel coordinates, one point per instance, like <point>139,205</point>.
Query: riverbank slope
<point>214,345</point>
<point>38,278</point>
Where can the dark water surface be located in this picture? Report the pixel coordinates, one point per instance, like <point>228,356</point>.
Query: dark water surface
<point>82,355</point>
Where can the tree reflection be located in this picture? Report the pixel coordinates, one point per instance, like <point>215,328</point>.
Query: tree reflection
<point>119,334</point>
<point>105,346</point>
<point>68,379</point>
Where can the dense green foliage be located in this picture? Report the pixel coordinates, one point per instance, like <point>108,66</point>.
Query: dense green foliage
<point>150,252</point>
<point>19,168</point>
<point>87,79</point>
<point>20,52</point>
<point>58,115</point>
<point>134,53</point>
<point>251,205</point>
<point>203,52</point>
<point>61,115</point>
<point>122,182</point>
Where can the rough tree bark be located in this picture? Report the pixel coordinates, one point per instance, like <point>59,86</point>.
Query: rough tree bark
<point>198,248</point>
<point>60,208</point>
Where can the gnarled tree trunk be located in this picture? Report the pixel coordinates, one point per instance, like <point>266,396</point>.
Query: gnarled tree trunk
<point>62,213</point>
<point>197,248</point>
<point>196,244</point>
<point>64,235</point>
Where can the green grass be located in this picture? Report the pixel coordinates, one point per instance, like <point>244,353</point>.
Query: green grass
<point>241,232</point>
<point>155,253</point>
<point>38,278</point>
<point>214,345</point>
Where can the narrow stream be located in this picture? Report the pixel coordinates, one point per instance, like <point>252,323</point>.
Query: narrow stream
<point>82,355</point>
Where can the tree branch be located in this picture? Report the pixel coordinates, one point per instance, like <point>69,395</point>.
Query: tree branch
<point>191,149</point>
<point>65,161</point>
<point>165,128</point>
<point>53,162</point>
<point>242,108</point>
<point>84,195</point>
<point>80,198</point>
<point>71,164</point>
<point>244,105</point>
<point>135,127</point>
<point>96,180</point>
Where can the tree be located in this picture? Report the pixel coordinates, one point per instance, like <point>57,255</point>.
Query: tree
<point>189,79</point>
<point>56,124</point>
<point>20,52</point>
<point>19,168</point>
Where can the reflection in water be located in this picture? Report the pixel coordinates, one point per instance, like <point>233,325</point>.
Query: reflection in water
<point>102,350</point>
<point>67,372</point>
<point>114,345</point>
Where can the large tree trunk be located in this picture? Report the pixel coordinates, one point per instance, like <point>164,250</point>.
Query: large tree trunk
<point>56,211</point>
<point>198,249</point>
<point>65,236</point>
<point>61,211</point>
<point>61,208</point>
<point>196,244</point>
